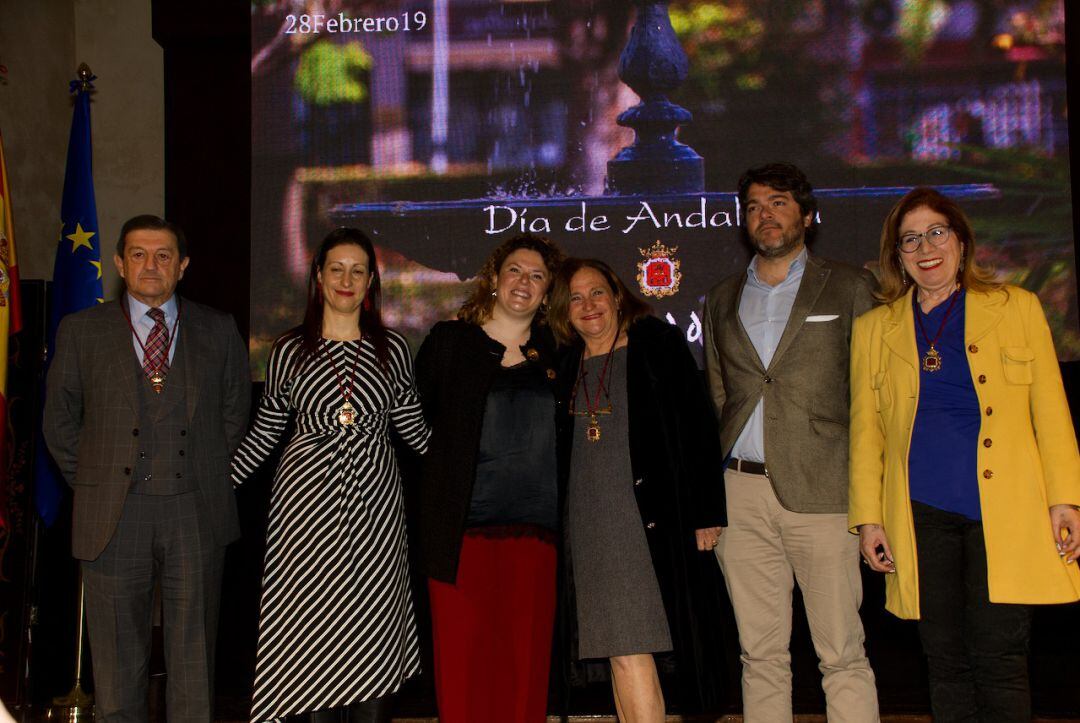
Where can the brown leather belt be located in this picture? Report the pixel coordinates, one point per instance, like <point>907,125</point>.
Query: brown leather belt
<point>741,465</point>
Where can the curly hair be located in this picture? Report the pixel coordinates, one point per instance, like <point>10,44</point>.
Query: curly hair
<point>894,281</point>
<point>477,308</point>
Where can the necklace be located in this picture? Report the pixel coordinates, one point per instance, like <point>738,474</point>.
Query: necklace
<point>346,413</point>
<point>593,409</point>
<point>931,361</point>
<point>157,374</point>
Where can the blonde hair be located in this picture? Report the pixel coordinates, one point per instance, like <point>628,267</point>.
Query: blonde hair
<point>894,280</point>
<point>477,308</point>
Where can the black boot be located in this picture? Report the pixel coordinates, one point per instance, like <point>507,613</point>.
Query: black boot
<point>375,710</point>
<point>327,715</point>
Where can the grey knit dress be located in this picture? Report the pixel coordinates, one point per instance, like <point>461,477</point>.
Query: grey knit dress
<point>619,607</point>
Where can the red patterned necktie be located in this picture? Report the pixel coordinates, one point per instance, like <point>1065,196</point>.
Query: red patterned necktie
<point>157,344</point>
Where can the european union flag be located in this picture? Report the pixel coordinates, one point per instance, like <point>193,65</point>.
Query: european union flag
<point>76,281</point>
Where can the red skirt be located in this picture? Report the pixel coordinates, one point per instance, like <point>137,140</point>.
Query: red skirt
<point>492,631</point>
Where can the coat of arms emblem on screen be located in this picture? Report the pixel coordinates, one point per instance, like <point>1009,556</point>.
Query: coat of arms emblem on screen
<point>659,275</point>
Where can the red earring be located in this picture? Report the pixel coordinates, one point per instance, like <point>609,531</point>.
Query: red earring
<point>367,303</point>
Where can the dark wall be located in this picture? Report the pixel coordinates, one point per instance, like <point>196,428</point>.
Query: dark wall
<point>207,144</point>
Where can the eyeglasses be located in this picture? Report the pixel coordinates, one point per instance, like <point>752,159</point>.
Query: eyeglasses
<point>909,243</point>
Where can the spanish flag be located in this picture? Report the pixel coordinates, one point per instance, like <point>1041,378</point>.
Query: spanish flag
<point>10,321</point>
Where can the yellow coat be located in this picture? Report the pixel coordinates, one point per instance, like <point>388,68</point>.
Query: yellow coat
<point>1027,454</point>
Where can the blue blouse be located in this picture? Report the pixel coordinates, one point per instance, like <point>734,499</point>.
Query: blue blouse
<point>942,459</point>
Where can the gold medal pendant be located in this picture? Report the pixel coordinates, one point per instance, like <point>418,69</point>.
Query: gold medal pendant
<point>346,415</point>
<point>592,407</point>
<point>932,361</point>
<point>592,432</point>
<point>157,381</point>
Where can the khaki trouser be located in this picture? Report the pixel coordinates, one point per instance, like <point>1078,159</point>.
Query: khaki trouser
<point>763,551</point>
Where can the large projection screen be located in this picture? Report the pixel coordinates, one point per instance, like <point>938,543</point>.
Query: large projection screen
<point>441,127</point>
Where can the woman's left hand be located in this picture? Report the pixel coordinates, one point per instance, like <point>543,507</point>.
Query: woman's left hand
<point>1066,519</point>
<point>707,538</point>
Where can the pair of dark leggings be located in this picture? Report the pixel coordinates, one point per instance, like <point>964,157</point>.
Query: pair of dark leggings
<point>976,650</point>
<point>369,711</point>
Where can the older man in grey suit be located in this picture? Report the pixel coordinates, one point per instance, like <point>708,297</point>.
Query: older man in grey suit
<point>776,351</point>
<point>147,398</point>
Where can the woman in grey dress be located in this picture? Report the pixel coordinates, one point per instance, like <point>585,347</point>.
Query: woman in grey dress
<point>642,493</point>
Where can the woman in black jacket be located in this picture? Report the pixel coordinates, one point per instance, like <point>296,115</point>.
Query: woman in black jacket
<point>488,500</point>
<point>643,487</point>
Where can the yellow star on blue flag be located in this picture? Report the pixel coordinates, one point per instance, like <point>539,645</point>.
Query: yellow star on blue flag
<point>82,238</point>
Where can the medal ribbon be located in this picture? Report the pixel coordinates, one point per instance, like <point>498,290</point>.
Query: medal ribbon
<point>346,390</point>
<point>922,330</point>
<point>592,408</point>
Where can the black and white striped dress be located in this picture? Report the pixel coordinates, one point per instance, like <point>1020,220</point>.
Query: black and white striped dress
<point>336,622</point>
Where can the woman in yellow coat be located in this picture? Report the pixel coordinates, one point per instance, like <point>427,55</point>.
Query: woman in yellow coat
<point>965,477</point>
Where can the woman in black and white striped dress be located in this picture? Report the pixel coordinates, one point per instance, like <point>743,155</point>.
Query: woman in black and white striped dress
<point>336,626</point>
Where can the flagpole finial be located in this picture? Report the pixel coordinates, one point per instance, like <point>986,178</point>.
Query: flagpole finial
<point>85,75</point>
<point>85,81</point>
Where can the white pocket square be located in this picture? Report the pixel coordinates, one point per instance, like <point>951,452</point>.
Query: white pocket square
<point>822,317</point>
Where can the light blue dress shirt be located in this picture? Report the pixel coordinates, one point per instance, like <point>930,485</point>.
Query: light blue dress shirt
<point>143,324</point>
<point>764,311</point>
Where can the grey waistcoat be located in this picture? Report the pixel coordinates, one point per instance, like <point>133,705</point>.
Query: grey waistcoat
<point>161,466</point>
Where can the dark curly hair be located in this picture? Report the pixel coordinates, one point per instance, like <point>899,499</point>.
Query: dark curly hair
<point>782,177</point>
<point>477,308</point>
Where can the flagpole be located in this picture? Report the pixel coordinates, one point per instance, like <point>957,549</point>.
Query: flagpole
<point>77,706</point>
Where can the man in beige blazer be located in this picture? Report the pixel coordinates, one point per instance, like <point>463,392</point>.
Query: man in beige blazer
<point>776,348</point>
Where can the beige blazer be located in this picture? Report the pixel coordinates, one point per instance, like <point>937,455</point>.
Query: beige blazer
<point>805,388</point>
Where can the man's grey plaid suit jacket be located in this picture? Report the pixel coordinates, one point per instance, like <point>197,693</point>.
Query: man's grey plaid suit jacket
<point>91,422</point>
